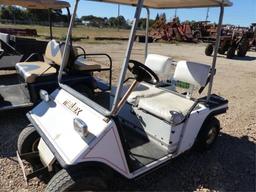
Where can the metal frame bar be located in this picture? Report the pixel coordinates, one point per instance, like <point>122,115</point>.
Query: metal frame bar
<point>217,44</point>
<point>147,31</point>
<point>50,22</point>
<point>127,55</point>
<point>67,43</point>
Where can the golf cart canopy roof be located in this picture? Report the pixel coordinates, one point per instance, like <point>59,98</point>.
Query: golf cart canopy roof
<point>37,4</point>
<point>169,4</point>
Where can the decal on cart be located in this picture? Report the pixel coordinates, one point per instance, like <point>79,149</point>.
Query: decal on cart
<point>72,106</point>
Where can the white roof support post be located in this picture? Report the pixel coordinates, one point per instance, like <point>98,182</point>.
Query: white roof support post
<point>147,33</point>
<point>217,44</point>
<point>127,54</point>
<point>67,43</point>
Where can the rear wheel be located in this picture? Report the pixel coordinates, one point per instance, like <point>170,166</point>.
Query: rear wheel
<point>208,134</point>
<point>231,52</point>
<point>221,51</point>
<point>243,48</point>
<point>209,50</point>
<point>76,180</point>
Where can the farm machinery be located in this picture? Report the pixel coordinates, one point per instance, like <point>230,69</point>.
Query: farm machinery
<point>239,42</point>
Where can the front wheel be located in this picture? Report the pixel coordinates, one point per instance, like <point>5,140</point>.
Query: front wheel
<point>28,140</point>
<point>208,134</point>
<point>76,180</point>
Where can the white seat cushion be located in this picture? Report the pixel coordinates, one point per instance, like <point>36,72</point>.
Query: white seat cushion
<point>82,64</point>
<point>142,90</point>
<point>29,71</point>
<point>160,103</point>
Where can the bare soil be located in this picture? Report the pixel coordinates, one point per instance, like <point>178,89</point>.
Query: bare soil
<point>228,166</point>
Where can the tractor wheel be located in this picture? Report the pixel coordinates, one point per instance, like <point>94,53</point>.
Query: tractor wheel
<point>221,51</point>
<point>197,35</point>
<point>207,134</point>
<point>209,50</point>
<point>243,48</point>
<point>231,52</point>
<point>76,180</point>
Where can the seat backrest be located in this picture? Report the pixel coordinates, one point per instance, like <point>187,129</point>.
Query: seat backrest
<point>54,52</point>
<point>195,74</point>
<point>5,37</point>
<point>161,65</point>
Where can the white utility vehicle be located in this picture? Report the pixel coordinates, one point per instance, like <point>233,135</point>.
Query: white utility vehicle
<point>84,136</point>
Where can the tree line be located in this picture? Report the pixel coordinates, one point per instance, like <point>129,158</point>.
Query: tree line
<point>30,15</point>
<point>13,13</point>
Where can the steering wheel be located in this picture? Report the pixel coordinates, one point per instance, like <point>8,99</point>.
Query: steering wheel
<point>142,72</point>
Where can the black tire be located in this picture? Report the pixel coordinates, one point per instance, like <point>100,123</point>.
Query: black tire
<point>243,47</point>
<point>207,134</point>
<point>221,51</point>
<point>197,36</point>
<point>76,180</point>
<point>28,140</point>
<point>209,50</point>
<point>231,52</point>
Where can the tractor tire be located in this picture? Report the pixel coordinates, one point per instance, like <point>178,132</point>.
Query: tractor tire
<point>208,134</point>
<point>197,36</point>
<point>221,51</point>
<point>209,50</point>
<point>231,52</point>
<point>243,47</point>
<point>76,180</point>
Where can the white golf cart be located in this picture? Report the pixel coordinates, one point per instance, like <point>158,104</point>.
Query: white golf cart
<point>40,71</point>
<point>82,138</point>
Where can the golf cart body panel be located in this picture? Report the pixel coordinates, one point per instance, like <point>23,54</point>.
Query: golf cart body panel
<point>103,142</point>
<point>83,149</point>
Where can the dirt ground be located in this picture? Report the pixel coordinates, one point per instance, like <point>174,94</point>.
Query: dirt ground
<point>228,166</point>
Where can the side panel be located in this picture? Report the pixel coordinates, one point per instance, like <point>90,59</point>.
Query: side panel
<point>193,126</point>
<point>109,151</point>
<point>191,129</point>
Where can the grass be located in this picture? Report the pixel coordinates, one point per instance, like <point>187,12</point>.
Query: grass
<point>80,33</point>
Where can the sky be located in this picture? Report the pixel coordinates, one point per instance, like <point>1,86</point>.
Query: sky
<point>242,13</point>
